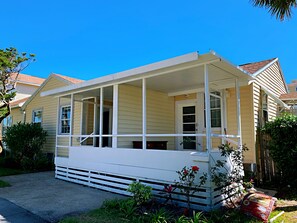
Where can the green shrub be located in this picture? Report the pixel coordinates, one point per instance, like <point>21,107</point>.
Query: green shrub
<point>25,142</point>
<point>283,146</point>
<point>127,208</point>
<point>161,216</point>
<point>8,162</point>
<point>141,193</point>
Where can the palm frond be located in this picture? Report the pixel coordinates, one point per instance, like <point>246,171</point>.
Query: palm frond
<point>281,9</point>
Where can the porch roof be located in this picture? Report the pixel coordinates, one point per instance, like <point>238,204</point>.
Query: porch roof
<point>183,73</point>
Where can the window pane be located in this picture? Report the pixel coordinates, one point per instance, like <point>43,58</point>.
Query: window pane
<point>65,126</point>
<point>189,110</point>
<point>65,119</point>
<point>37,116</point>
<point>215,102</point>
<point>216,118</point>
<point>189,142</point>
<point>189,127</point>
<point>188,118</point>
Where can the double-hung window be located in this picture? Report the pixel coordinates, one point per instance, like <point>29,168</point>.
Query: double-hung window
<point>65,120</point>
<point>37,116</point>
<point>215,110</point>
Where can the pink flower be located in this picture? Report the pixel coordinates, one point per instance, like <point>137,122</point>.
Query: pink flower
<point>168,188</point>
<point>195,168</point>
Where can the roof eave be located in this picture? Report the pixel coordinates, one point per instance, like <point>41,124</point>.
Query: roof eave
<point>142,71</point>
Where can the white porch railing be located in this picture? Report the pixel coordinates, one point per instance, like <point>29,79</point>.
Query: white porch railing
<point>85,138</point>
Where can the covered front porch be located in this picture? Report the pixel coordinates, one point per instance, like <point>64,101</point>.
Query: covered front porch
<point>146,123</point>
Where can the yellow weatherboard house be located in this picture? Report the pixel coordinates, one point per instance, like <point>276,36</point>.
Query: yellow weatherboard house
<point>146,123</point>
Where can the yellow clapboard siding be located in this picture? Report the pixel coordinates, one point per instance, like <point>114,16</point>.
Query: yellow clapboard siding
<point>160,115</point>
<point>272,79</point>
<point>17,115</point>
<point>247,119</point>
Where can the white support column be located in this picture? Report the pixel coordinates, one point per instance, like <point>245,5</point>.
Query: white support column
<point>95,125</point>
<point>207,109</point>
<point>237,87</point>
<point>57,126</point>
<point>143,113</point>
<point>200,119</point>
<point>71,119</point>
<point>223,114</point>
<point>101,118</point>
<point>115,116</point>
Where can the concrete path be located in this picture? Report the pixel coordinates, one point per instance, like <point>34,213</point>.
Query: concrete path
<point>11,213</point>
<point>52,199</point>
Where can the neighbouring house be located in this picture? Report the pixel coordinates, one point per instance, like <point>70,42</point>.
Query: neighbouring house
<point>291,98</point>
<point>44,110</point>
<point>26,85</point>
<point>292,86</point>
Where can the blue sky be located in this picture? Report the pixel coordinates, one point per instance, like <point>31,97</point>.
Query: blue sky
<point>88,39</point>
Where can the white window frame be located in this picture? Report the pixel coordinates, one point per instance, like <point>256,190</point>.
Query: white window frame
<point>61,119</point>
<point>220,108</point>
<point>266,97</point>
<point>211,109</point>
<point>33,115</point>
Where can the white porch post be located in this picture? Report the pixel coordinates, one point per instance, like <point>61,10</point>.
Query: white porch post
<point>101,118</point>
<point>143,113</point>
<point>207,109</point>
<point>71,119</point>
<point>95,126</point>
<point>57,126</point>
<point>223,114</point>
<point>115,116</point>
<point>238,112</point>
<point>200,119</point>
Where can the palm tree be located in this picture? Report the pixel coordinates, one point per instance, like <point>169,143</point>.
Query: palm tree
<point>280,8</point>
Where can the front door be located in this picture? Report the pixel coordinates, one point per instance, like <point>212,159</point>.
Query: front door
<point>187,124</point>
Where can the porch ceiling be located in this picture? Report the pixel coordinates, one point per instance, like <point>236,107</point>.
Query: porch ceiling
<point>192,78</point>
<point>176,74</point>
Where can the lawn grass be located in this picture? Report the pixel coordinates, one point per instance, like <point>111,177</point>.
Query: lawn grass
<point>9,171</point>
<point>101,215</point>
<point>290,209</point>
<point>4,184</point>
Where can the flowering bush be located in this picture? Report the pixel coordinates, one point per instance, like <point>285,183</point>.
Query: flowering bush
<point>186,182</point>
<point>229,181</point>
<point>141,193</point>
